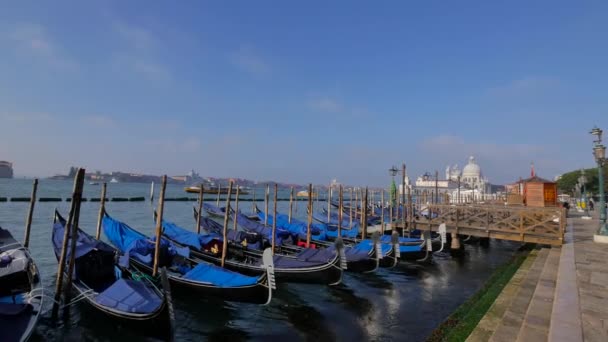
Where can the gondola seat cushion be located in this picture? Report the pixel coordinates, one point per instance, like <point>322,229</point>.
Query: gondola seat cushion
<point>129,296</point>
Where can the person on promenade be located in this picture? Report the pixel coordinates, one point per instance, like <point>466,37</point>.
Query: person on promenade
<point>591,204</point>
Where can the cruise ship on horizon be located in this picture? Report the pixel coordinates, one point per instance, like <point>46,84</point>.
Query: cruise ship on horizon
<point>6,169</point>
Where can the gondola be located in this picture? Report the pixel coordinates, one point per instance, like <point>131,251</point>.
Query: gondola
<point>190,273</point>
<point>361,259</point>
<point>385,253</point>
<point>244,254</point>
<point>20,290</point>
<point>112,288</point>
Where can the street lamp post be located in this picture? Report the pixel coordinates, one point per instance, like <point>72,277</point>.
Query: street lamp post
<point>393,172</point>
<point>599,153</point>
<point>582,180</point>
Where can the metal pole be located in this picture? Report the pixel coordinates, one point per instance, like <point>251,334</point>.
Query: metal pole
<point>603,228</point>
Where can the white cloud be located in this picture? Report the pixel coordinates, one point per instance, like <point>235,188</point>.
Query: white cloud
<point>137,37</point>
<point>152,70</point>
<point>248,60</point>
<point>33,40</point>
<point>326,104</point>
<point>524,86</point>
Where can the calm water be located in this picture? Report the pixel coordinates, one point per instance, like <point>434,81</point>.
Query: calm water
<point>406,303</point>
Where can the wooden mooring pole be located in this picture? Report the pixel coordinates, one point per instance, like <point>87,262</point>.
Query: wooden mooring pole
<point>364,216</point>
<point>403,218</point>
<point>73,234</point>
<point>159,224</point>
<point>219,189</point>
<point>102,208</point>
<point>200,208</point>
<point>226,216</point>
<point>341,200</point>
<point>30,213</point>
<point>236,208</point>
<point>274,217</point>
<point>151,192</point>
<point>309,215</point>
<point>290,204</point>
<point>382,212</point>
<point>329,204</point>
<point>76,195</point>
<point>266,195</point>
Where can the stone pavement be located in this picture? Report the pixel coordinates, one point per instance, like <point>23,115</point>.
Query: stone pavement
<point>558,294</point>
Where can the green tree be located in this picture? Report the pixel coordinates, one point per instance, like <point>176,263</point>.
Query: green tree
<point>569,179</point>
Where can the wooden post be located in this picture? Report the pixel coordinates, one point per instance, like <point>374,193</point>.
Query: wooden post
<point>159,224</point>
<point>403,199</point>
<point>350,207</point>
<point>356,203</point>
<point>201,193</point>
<point>436,187</point>
<point>236,207</point>
<point>290,204</point>
<point>410,211</point>
<point>340,211</point>
<point>382,211</point>
<point>73,235</point>
<point>102,208</point>
<point>364,216</point>
<point>309,215</point>
<point>266,195</point>
<point>226,216</point>
<point>151,193</point>
<point>329,204</point>
<point>219,189</point>
<point>76,195</point>
<point>30,213</point>
<point>253,203</point>
<point>274,217</point>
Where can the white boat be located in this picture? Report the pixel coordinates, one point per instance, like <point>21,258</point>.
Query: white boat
<point>113,180</point>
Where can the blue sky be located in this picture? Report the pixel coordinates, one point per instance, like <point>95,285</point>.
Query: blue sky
<point>302,91</point>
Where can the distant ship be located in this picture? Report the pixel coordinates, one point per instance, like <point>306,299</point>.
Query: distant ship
<point>6,169</point>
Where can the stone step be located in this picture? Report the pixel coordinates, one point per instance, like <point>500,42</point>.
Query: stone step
<point>492,319</point>
<point>537,321</point>
<point>510,325</point>
<point>566,322</point>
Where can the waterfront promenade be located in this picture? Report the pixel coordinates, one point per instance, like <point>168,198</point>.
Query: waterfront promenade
<point>558,294</point>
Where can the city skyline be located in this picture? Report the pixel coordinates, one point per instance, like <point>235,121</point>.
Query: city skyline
<point>301,93</point>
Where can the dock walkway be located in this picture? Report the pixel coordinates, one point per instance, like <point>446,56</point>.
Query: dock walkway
<point>558,294</point>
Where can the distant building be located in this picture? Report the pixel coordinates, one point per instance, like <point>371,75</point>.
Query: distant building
<point>6,169</point>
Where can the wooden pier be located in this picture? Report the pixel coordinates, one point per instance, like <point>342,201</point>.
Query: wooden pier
<point>515,223</point>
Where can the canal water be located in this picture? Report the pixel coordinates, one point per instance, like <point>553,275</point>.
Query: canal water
<point>405,303</point>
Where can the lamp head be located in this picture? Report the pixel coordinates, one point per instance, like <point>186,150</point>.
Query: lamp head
<point>597,132</point>
<point>599,152</point>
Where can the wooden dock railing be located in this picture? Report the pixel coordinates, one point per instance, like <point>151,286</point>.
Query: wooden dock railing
<point>525,224</point>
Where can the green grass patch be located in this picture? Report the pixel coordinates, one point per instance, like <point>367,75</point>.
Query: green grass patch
<point>459,325</point>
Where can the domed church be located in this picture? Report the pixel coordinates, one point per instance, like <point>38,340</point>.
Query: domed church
<point>471,176</point>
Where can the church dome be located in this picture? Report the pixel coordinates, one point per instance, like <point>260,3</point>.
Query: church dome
<point>471,170</point>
